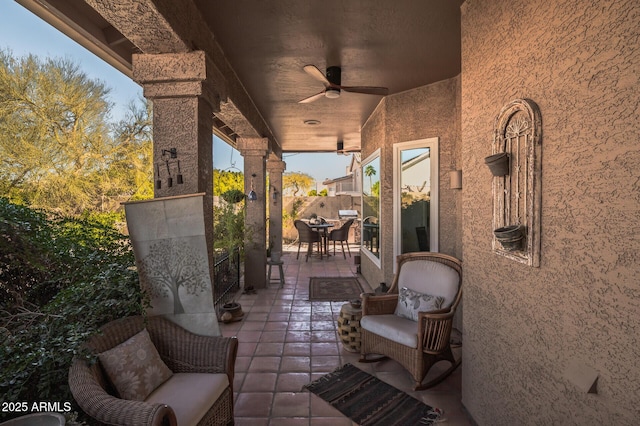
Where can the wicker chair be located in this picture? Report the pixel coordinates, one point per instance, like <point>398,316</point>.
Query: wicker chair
<point>342,235</point>
<point>181,351</point>
<point>417,346</point>
<point>309,236</point>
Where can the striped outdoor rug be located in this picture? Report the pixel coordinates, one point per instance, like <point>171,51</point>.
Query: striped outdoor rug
<point>369,401</point>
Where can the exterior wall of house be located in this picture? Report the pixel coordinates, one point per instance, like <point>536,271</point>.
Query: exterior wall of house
<point>530,333</point>
<point>421,113</point>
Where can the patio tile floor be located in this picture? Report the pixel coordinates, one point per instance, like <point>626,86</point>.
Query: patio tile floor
<point>286,341</point>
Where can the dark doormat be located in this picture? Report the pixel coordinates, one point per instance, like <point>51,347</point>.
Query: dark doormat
<point>369,401</point>
<point>329,289</point>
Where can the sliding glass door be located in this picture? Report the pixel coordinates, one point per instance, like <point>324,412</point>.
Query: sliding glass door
<point>371,207</point>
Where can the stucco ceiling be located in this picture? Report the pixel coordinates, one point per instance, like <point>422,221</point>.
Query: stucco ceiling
<point>399,44</point>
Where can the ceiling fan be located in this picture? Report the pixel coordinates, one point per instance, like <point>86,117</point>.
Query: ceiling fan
<point>332,84</point>
<point>340,149</point>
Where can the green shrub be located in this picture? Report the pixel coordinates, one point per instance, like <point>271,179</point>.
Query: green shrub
<point>60,280</point>
<point>228,227</point>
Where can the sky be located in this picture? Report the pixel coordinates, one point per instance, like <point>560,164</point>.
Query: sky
<point>23,33</point>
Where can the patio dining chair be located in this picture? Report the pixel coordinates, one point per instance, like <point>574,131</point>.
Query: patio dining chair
<point>342,235</point>
<point>309,236</point>
<point>412,322</point>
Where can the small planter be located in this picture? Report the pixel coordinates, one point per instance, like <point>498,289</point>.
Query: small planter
<point>231,312</point>
<point>498,163</point>
<point>510,237</point>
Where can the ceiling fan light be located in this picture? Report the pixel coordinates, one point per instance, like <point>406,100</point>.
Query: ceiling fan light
<point>332,93</point>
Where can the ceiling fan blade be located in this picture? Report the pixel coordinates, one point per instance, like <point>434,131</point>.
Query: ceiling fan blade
<point>314,72</point>
<point>312,98</point>
<point>367,90</point>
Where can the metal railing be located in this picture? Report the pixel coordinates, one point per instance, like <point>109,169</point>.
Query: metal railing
<point>226,277</point>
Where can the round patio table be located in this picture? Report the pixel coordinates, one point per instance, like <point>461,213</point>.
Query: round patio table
<point>322,228</point>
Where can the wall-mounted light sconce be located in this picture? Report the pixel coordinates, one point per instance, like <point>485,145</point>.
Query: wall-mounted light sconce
<point>172,152</point>
<point>274,195</point>
<point>168,155</point>
<point>455,177</point>
<point>252,196</point>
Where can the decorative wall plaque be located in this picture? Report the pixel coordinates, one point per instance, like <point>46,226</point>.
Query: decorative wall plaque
<point>517,195</point>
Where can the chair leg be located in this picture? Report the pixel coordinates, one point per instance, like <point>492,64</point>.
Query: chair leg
<point>298,255</point>
<point>348,249</point>
<point>342,245</point>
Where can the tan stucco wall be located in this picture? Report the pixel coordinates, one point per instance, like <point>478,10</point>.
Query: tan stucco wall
<point>421,113</point>
<point>523,326</point>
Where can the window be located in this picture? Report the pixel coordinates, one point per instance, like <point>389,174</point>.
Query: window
<point>415,196</point>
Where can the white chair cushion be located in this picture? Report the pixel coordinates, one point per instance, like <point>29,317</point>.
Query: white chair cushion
<point>392,327</point>
<point>190,395</point>
<point>432,278</point>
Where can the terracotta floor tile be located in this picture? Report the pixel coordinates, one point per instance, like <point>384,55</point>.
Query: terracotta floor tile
<point>246,348</point>
<point>266,349</point>
<point>273,336</point>
<point>248,335</point>
<point>298,336</point>
<point>323,325</point>
<point>289,421</point>
<point>253,404</point>
<point>290,404</point>
<point>292,382</point>
<point>296,364</point>
<point>293,349</point>
<point>259,382</point>
<point>324,363</point>
<point>324,348</point>
<point>264,364</point>
<point>247,421</point>
<point>278,316</point>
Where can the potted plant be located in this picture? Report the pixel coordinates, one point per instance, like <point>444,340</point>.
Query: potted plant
<point>510,237</point>
<point>498,163</point>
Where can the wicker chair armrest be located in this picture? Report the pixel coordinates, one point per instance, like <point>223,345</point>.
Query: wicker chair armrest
<point>434,329</point>
<point>184,352</point>
<point>379,304</point>
<point>106,408</point>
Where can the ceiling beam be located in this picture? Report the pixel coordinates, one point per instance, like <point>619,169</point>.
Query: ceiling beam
<point>166,26</point>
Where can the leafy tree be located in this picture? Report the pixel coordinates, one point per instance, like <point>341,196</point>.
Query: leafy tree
<point>314,193</point>
<point>370,171</point>
<point>296,183</point>
<point>224,181</point>
<point>58,149</point>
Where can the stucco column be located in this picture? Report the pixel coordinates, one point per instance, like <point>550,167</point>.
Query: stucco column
<point>254,151</point>
<point>183,105</point>
<point>275,167</point>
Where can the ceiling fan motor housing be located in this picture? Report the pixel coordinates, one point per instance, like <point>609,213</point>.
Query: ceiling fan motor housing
<point>333,75</point>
